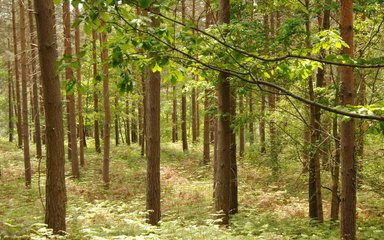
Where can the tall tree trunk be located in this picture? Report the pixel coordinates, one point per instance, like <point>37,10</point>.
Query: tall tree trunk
<point>10,98</point>
<point>107,111</point>
<point>207,116</point>
<point>55,181</point>
<point>241,137</point>
<point>272,123</point>
<point>183,99</point>
<point>24,89</point>
<point>116,121</point>
<point>174,115</point>
<point>134,123</point>
<point>35,82</point>
<point>251,130</point>
<point>222,185</point>
<point>71,97</point>
<point>17,79</point>
<point>262,123</point>
<point>95,93</point>
<point>153,140</point>
<point>193,95</point>
<point>127,124</point>
<point>314,186</point>
<point>348,181</point>
<point>79,95</point>
<point>335,200</point>
<point>143,88</point>
<point>233,205</point>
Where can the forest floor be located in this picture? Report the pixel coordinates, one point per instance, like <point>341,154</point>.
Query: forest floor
<point>268,208</point>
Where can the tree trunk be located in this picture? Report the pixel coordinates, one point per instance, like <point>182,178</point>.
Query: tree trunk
<point>24,89</point>
<point>79,96</point>
<point>233,205</point>
<point>348,181</point>
<point>223,180</point>
<point>152,112</point>
<point>35,82</point>
<point>174,116</point>
<point>206,155</point>
<point>251,131</point>
<point>183,99</point>
<point>262,123</point>
<point>107,111</point>
<point>55,181</point>
<point>314,186</point>
<point>71,97</point>
<point>95,93</point>
<point>335,200</point>
<point>10,98</point>
<point>242,137</point>
<point>116,121</point>
<point>17,79</point>
<point>127,124</point>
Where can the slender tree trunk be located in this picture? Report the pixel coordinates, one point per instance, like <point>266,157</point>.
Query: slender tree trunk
<point>262,124</point>
<point>95,93</point>
<point>193,95</point>
<point>70,98</point>
<point>183,99</point>
<point>174,116</point>
<point>24,89</point>
<point>107,111</point>
<point>127,124</point>
<point>134,124</point>
<point>143,87</point>
<point>152,112</point>
<point>314,186</point>
<point>233,207</point>
<point>35,82</point>
<point>17,79</point>
<point>251,131</point>
<point>79,95</point>
<point>348,181</point>
<point>335,200</point>
<point>10,98</point>
<point>55,181</point>
<point>242,137</point>
<point>207,116</point>
<point>222,185</point>
<point>116,121</point>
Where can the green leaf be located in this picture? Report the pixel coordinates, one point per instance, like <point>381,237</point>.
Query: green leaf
<point>156,68</point>
<point>145,3</point>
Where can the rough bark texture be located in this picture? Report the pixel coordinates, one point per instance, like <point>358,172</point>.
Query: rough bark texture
<point>71,97</point>
<point>17,79</point>
<point>55,182</point>
<point>152,112</point>
<point>107,110</point>
<point>223,161</point>
<point>95,93</point>
<point>24,89</point>
<point>35,82</point>
<point>348,181</point>
<point>79,95</point>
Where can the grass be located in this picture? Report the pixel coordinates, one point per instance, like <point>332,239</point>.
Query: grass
<point>269,208</point>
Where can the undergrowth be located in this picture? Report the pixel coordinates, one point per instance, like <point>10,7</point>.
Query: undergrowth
<point>269,208</point>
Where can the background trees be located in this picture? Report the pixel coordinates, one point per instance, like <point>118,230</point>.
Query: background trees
<point>281,58</point>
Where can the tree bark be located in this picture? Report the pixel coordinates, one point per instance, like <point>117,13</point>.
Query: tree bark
<point>17,79</point>
<point>70,97</point>
<point>116,122</point>
<point>174,116</point>
<point>233,205</point>
<point>251,129</point>
<point>152,112</point>
<point>348,181</point>
<point>35,82</point>
<point>24,89</point>
<point>79,95</point>
<point>95,93</point>
<point>183,98</point>
<point>222,185</point>
<point>241,137</point>
<point>10,98</point>
<point>55,181</point>
<point>107,110</point>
